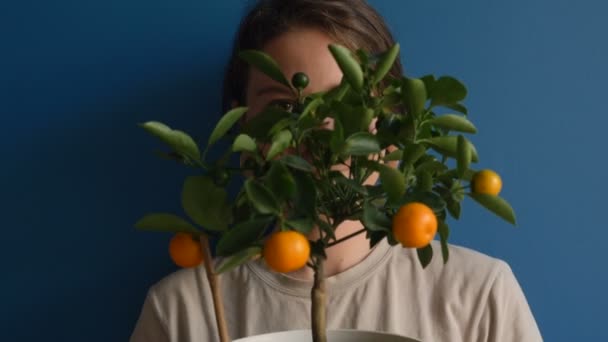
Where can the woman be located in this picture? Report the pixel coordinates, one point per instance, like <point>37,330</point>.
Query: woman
<point>472,298</point>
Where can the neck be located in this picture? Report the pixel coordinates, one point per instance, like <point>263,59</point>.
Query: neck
<point>343,255</point>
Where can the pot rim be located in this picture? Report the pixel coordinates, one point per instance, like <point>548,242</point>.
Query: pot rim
<point>330,331</point>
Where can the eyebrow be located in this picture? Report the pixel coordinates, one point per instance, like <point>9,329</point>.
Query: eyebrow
<point>273,90</point>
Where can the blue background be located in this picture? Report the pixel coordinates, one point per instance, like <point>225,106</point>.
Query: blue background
<point>76,77</point>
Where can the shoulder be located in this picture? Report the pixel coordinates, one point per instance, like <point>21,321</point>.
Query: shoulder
<point>191,284</point>
<point>460,257</point>
<point>167,301</point>
<point>182,300</point>
<point>474,293</point>
<point>467,260</point>
<point>465,267</point>
<point>182,303</point>
<point>182,281</point>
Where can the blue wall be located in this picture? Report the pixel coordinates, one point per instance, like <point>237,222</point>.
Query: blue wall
<point>76,76</point>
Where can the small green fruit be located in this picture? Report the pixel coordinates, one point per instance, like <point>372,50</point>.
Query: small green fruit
<point>300,80</point>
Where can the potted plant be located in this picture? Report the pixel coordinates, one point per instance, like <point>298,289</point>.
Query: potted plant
<point>292,187</point>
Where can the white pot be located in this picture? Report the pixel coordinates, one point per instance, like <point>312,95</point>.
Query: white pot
<point>332,336</point>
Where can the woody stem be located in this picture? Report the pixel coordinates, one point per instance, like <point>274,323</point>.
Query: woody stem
<point>214,284</point>
<point>318,311</point>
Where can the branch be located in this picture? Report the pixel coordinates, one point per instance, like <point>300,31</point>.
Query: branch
<point>333,243</point>
<point>213,280</point>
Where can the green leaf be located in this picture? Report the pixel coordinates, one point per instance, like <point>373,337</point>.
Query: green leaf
<point>349,65</point>
<point>261,198</point>
<point>242,235</point>
<point>424,181</point>
<point>393,181</point>
<point>388,127</point>
<point>454,208</point>
<point>411,153</point>
<point>431,166</point>
<point>447,91</point>
<point>385,63</point>
<point>457,191</point>
<point>339,178</point>
<point>353,97</point>
<point>433,200</point>
<point>179,141</point>
<point>302,225</point>
<point>297,163</point>
<point>260,125</point>
<point>390,238</point>
<point>352,118</point>
<point>243,142</point>
<point>429,81</point>
<point>444,234</point>
<point>497,205</point>
<point>392,100</point>
<point>414,95</point>
<point>463,157</point>
<point>280,181</point>
<point>394,156</point>
<point>366,119</point>
<point>459,108</point>
<point>375,237</point>
<point>280,142</point>
<point>366,58</point>
<point>336,143</point>
<point>226,123</point>
<point>327,228</point>
<point>265,64</point>
<point>361,144</point>
<point>425,255</point>
<point>448,145</point>
<point>337,93</point>
<point>238,259</point>
<point>375,220</point>
<point>310,108</point>
<point>454,122</point>
<point>376,192</point>
<point>306,196</point>
<point>280,126</point>
<point>162,222</point>
<point>206,203</point>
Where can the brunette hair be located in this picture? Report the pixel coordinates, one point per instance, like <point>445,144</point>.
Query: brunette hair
<point>353,23</point>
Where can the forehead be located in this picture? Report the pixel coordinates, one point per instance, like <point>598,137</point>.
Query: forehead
<point>300,50</point>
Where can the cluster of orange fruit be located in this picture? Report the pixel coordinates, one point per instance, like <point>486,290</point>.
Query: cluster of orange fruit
<point>414,226</point>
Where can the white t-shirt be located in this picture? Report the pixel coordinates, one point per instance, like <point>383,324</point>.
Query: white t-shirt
<point>472,298</point>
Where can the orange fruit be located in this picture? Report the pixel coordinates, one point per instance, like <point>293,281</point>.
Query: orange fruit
<point>286,251</point>
<point>414,225</point>
<point>486,182</point>
<point>185,251</point>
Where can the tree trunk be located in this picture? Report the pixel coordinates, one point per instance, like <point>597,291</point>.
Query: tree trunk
<point>214,284</point>
<point>319,329</point>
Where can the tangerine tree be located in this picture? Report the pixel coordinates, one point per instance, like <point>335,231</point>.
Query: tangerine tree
<point>291,186</point>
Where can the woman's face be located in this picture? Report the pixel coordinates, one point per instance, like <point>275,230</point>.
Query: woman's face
<point>298,50</point>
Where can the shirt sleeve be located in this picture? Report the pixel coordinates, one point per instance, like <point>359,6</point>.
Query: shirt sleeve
<point>150,326</point>
<point>507,316</point>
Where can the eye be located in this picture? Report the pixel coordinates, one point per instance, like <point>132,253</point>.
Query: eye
<point>286,105</point>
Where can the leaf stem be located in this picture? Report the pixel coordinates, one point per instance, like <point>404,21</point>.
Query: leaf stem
<point>335,242</point>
